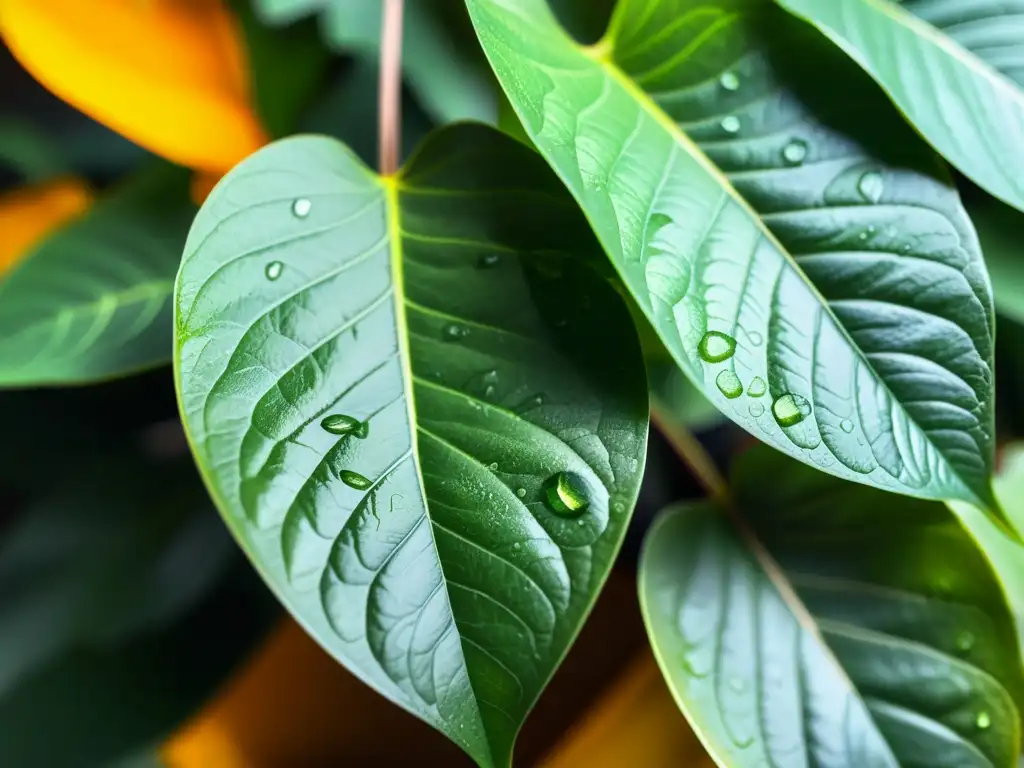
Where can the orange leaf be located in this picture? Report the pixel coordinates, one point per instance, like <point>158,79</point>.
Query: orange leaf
<point>171,75</point>
<point>29,214</point>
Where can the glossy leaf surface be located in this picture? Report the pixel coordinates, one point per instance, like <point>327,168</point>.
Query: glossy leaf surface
<point>928,670</point>
<point>93,300</point>
<point>837,271</point>
<point>399,394</point>
<point>121,611</point>
<point>967,109</point>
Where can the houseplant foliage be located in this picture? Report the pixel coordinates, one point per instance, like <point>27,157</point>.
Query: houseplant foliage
<point>418,393</point>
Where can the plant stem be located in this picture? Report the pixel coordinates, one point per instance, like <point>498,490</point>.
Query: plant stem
<point>390,90</point>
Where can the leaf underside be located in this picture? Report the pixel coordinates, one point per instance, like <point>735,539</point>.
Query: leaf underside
<point>847,273</point>
<point>958,100</point>
<point>451,318</point>
<point>93,300</point>
<point>927,673</point>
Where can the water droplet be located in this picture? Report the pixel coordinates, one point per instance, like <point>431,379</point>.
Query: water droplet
<point>846,425</point>
<point>567,495</point>
<point>731,124</point>
<point>757,387</point>
<point>789,409</point>
<point>516,545</point>
<point>795,152</point>
<point>301,207</point>
<point>729,384</point>
<point>730,81</point>
<point>354,480</point>
<point>756,410</point>
<point>488,260</point>
<point>454,332</point>
<point>521,493</point>
<point>274,270</point>
<point>339,424</point>
<point>863,235</point>
<point>736,684</point>
<point>965,641</point>
<point>492,466</point>
<point>716,346</point>
<point>983,720</point>
<point>871,186</point>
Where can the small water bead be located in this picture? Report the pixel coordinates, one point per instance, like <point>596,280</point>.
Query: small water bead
<point>730,81</point>
<point>488,260</point>
<point>731,124</point>
<point>789,409</point>
<point>716,346</point>
<point>871,186</point>
<point>965,641</point>
<point>340,424</point>
<point>516,545</point>
<point>756,410</point>
<point>983,720</point>
<point>795,152</point>
<point>493,466</point>
<point>846,425</point>
<point>354,480</point>
<point>521,493</point>
<point>729,384</point>
<point>566,495</point>
<point>757,387</point>
<point>301,207</point>
<point>274,270</point>
<point>454,332</point>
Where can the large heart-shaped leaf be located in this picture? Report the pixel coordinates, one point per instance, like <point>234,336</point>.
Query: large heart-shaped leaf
<point>928,670</point>
<point>93,300</point>
<point>419,409</point>
<point>839,309</point>
<point>962,104</point>
<point>123,605</point>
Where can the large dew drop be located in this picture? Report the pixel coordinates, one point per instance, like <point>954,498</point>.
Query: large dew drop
<point>729,384</point>
<point>716,346</point>
<point>757,387</point>
<point>302,207</point>
<point>789,409</point>
<point>730,81</point>
<point>274,270</point>
<point>354,480</point>
<point>983,720</point>
<point>566,495</point>
<point>871,186</point>
<point>795,152</point>
<point>340,424</point>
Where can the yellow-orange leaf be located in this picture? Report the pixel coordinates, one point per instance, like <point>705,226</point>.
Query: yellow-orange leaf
<point>29,214</point>
<point>170,75</point>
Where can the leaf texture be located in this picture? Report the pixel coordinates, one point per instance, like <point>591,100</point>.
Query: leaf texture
<point>381,378</point>
<point>93,300</point>
<point>842,266</point>
<point>910,657</point>
<point>964,106</point>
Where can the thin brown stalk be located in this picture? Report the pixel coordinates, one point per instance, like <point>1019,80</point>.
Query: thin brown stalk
<point>390,90</point>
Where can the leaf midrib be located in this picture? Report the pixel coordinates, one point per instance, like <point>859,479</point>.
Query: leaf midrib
<point>602,53</point>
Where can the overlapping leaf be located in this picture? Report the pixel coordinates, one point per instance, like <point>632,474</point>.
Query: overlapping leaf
<point>957,99</point>
<point>399,391</point>
<point>822,284</point>
<point>93,300</point>
<point>928,670</point>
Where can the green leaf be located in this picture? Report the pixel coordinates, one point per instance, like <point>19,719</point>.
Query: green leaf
<point>446,79</point>
<point>398,390</point>
<point>928,670</point>
<point>841,265</point>
<point>123,606</point>
<point>93,300</point>
<point>999,228</point>
<point>967,109</point>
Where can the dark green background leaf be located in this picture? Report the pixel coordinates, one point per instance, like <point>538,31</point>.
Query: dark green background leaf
<point>848,275</point>
<point>899,592</point>
<point>383,379</point>
<point>93,300</point>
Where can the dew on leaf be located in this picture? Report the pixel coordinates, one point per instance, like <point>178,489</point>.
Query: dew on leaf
<point>795,152</point>
<point>729,384</point>
<point>789,409</point>
<point>846,425</point>
<point>516,545</point>
<point>730,81</point>
<point>756,410</point>
<point>871,186</point>
<point>730,124</point>
<point>301,207</point>
<point>566,494</point>
<point>716,346</point>
<point>757,387</point>
<point>340,424</point>
<point>454,332</point>
<point>965,641</point>
<point>521,493</point>
<point>983,720</point>
<point>354,480</point>
<point>493,466</point>
<point>488,260</point>
<point>274,270</point>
